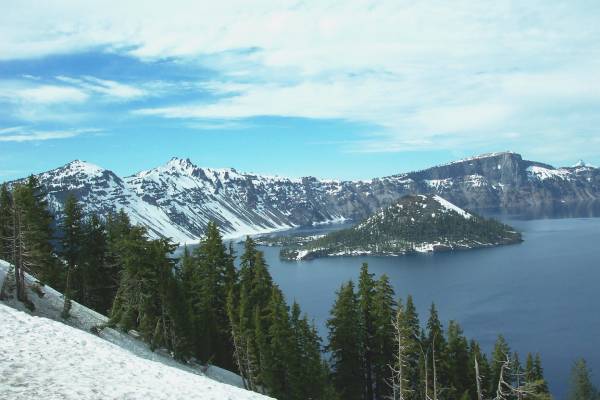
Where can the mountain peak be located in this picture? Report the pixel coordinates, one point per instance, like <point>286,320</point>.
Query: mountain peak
<point>83,167</point>
<point>582,164</point>
<point>181,164</point>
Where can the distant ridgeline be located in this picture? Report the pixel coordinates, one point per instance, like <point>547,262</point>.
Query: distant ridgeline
<point>413,224</point>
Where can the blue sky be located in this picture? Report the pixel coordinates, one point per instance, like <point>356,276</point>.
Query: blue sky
<point>340,89</point>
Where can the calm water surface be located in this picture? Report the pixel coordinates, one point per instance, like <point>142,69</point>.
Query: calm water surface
<point>542,295</point>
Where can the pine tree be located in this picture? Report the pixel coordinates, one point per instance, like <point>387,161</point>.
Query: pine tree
<point>539,374</point>
<point>580,386</point>
<point>35,232</point>
<point>6,221</point>
<point>366,292</point>
<point>277,350</point>
<point>99,282</point>
<point>309,374</point>
<point>71,245</point>
<point>345,344</point>
<point>438,367</point>
<point>212,279</point>
<point>459,363</point>
<point>383,311</point>
<point>144,301</point>
<point>40,235</point>
<point>412,351</point>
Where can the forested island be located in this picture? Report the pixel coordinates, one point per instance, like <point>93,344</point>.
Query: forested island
<point>413,224</point>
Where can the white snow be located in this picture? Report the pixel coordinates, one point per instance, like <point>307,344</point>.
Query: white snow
<point>439,183</point>
<point>82,318</point>
<point>449,206</point>
<point>481,156</point>
<point>45,359</point>
<point>424,247</point>
<point>542,173</point>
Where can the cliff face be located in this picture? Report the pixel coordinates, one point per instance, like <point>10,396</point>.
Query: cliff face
<point>178,199</point>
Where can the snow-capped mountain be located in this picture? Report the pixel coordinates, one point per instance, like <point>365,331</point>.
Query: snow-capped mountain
<point>415,223</point>
<point>178,199</point>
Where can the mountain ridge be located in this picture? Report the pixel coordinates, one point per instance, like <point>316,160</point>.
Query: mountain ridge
<point>177,199</point>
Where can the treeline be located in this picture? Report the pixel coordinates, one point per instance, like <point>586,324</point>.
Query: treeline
<point>379,351</point>
<point>201,308</point>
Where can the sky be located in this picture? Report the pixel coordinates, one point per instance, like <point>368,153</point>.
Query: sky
<point>347,89</point>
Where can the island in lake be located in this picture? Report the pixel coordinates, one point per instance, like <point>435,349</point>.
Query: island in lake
<point>413,224</point>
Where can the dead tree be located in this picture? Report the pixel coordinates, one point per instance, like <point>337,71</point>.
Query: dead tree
<point>398,379</point>
<point>478,379</point>
<point>505,390</point>
<point>18,257</point>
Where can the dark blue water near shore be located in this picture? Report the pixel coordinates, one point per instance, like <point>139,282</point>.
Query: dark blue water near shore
<point>543,294</point>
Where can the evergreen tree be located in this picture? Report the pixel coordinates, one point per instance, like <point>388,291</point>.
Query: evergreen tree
<point>459,363</point>
<point>211,279</point>
<point>98,280</point>
<point>35,223</point>
<point>412,328</point>
<point>436,343</point>
<point>71,245</point>
<point>383,311</point>
<point>6,222</point>
<point>277,350</point>
<point>366,292</point>
<point>580,386</point>
<point>143,298</point>
<point>345,344</point>
<point>539,374</point>
<point>309,374</point>
<point>247,309</point>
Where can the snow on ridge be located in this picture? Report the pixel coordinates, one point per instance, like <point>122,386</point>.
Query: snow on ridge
<point>449,206</point>
<point>583,165</point>
<point>542,173</point>
<point>482,156</point>
<point>76,167</point>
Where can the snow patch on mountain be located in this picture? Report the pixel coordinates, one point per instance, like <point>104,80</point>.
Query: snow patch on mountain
<point>542,173</point>
<point>451,207</point>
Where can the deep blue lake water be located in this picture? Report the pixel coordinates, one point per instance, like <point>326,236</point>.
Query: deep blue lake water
<point>542,295</point>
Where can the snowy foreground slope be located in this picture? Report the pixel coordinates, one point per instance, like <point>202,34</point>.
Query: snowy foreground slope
<point>126,347</point>
<point>45,359</point>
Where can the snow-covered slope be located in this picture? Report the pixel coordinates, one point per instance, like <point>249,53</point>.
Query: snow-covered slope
<point>178,199</point>
<point>50,305</point>
<point>45,359</point>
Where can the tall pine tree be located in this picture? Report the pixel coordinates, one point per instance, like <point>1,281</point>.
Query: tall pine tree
<point>345,344</point>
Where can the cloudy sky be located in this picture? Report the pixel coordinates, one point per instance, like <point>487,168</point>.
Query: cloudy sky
<point>341,89</point>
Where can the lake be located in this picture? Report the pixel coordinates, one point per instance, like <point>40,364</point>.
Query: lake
<point>542,295</point>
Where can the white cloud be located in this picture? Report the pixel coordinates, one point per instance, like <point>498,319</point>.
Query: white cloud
<point>421,74</point>
<point>106,87</point>
<point>23,134</point>
<point>42,94</point>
